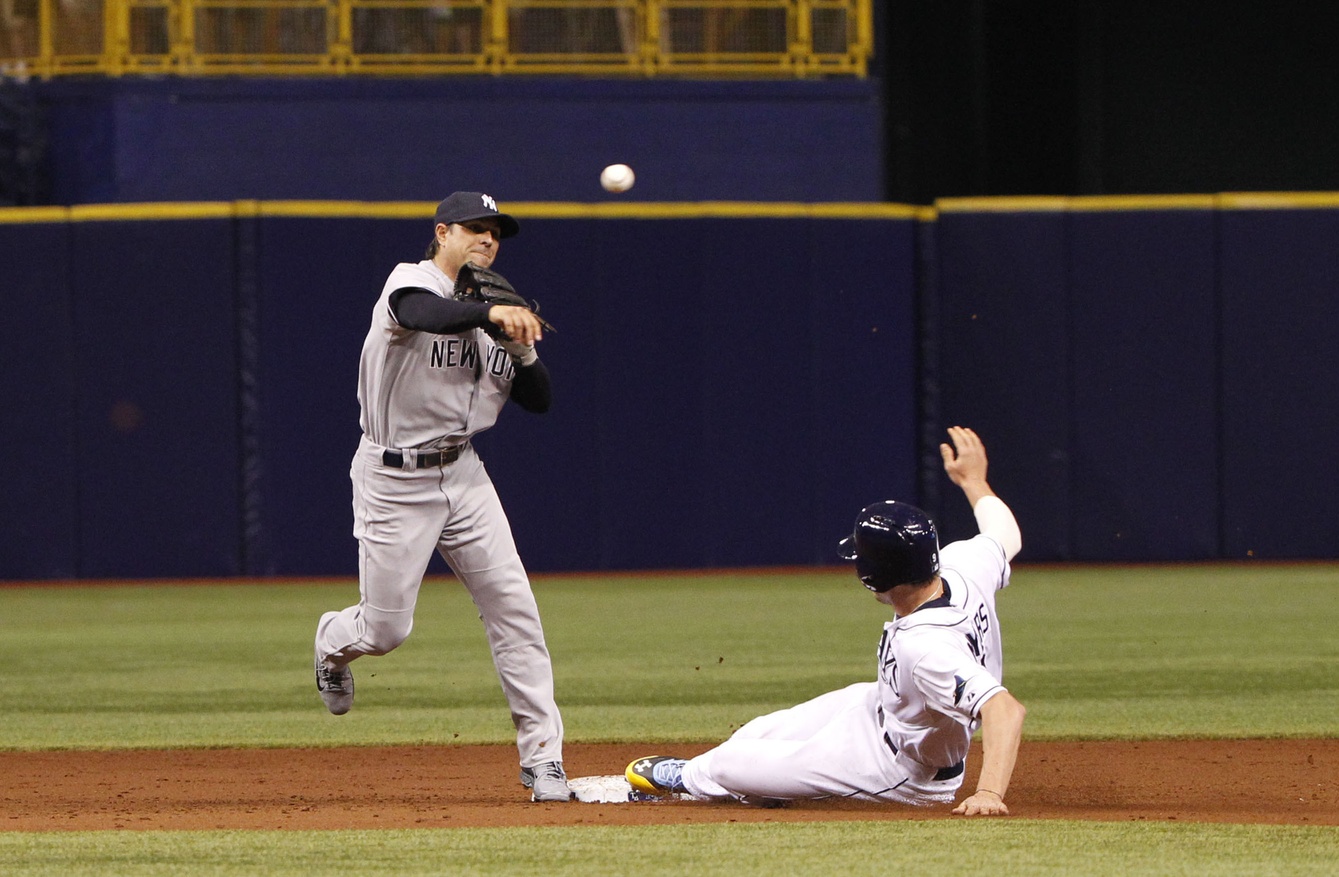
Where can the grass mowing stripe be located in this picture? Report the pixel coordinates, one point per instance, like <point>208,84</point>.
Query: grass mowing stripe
<point>677,723</point>
<point>1003,847</point>
<point>1213,651</point>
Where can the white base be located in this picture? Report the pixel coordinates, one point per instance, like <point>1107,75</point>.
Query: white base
<point>613,790</point>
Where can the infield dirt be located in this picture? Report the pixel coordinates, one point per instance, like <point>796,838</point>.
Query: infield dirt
<point>1244,781</point>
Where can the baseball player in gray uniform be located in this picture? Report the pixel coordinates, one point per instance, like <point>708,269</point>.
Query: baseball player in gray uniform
<point>430,378</point>
<point>904,737</point>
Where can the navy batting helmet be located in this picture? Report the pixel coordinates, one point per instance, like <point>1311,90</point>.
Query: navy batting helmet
<point>893,544</point>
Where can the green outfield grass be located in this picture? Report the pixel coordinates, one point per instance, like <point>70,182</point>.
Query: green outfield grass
<point>1136,652</point>
<point>879,849</point>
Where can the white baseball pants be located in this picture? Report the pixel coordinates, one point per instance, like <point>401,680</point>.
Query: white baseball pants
<point>830,746</point>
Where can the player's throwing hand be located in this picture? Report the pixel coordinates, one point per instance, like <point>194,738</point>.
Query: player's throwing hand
<point>966,460</point>
<point>965,463</point>
<point>519,324</point>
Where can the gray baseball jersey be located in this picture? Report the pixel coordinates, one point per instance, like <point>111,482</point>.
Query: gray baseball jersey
<point>420,390</point>
<point>419,486</point>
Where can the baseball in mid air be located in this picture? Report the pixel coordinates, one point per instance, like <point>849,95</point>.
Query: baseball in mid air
<point>617,178</point>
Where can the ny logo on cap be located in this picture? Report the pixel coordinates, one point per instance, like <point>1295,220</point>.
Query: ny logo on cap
<point>490,203</point>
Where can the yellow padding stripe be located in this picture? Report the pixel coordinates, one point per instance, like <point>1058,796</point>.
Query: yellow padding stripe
<point>602,210</point>
<point>33,215</point>
<point>711,209</point>
<point>1085,203</point>
<point>351,209</point>
<point>1002,205</point>
<point>166,210</point>
<point>1144,202</point>
<point>423,210</point>
<point>1280,200</point>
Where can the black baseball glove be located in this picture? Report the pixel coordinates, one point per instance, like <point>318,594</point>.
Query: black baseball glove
<point>486,285</point>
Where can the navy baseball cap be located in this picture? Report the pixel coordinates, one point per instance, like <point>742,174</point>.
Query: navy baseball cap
<point>464,206</point>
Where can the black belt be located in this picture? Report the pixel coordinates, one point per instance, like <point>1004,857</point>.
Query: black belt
<point>422,459</point>
<point>944,773</point>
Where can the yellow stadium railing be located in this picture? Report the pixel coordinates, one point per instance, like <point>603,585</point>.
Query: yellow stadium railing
<point>628,38</point>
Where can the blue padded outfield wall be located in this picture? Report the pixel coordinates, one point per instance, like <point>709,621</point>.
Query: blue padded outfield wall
<point>1094,338</point>
<point>1154,378</point>
<point>1154,375</point>
<point>129,139</point>
<point>723,396</point>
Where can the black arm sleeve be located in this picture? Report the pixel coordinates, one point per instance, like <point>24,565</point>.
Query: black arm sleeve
<point>425,311</point>
<point>532,388</point>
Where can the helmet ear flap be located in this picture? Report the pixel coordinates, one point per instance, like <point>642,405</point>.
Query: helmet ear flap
<point>893,544</point>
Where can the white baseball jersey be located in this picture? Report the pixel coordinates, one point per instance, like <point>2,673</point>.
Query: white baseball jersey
<point>420,390</point>
<point>939,664</point>
<point>902,738</point>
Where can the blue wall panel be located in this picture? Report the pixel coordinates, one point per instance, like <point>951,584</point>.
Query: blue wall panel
<point>701,403</point>
<point>861,401</point>
<point>1004,366</point>
<point>128,140</point>
<point>645,439</point>
<point>782,360</point>
<point>755,377</point>
<point>38,500</point>
<point>1144,438</point>
<point>156,397</point>
<point>1280,383</point>
<point>317,281</point>
<point>716,410</point>
<point>547,467</point>
<point>728,391</point>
